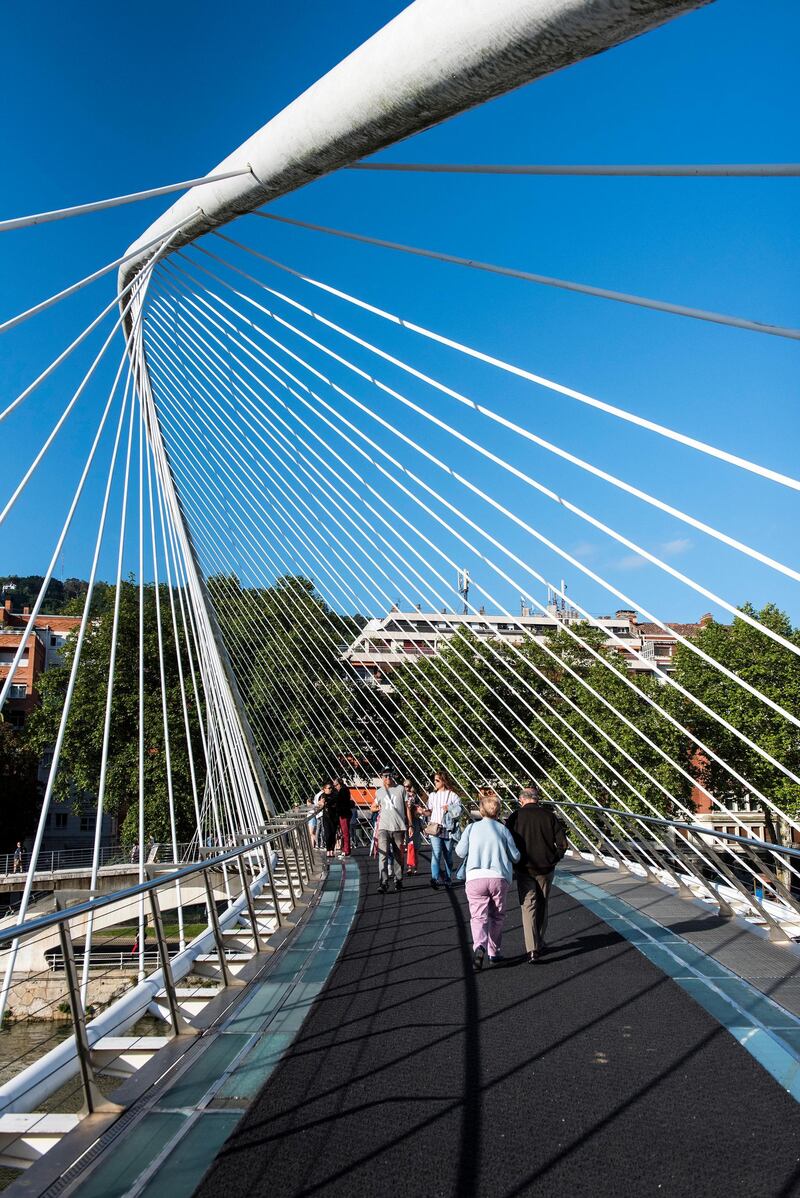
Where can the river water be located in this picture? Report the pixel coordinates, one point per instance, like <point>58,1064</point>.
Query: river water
<point>23,1043</point>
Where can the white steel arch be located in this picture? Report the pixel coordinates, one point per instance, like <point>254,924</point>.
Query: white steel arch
<point>436,59</point>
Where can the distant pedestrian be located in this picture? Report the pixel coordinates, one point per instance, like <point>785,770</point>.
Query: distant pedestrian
<point>311,819</point>
<point>542,842</point>
<point>444,809</point>
<point>489,853</point>
<point>418,807</point>
<point>355,838</point>
<point>394,820</point>
<point>344,809</point>
<point>18,859</point>
<point>330,818</point>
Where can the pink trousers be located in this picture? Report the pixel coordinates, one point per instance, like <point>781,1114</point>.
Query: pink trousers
<point>487,912</point>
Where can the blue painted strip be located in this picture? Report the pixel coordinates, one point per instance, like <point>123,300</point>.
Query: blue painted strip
<point>304,974</point>
<point>769,1032</point>
<point>183,1169</point>
<point>242,1058</point>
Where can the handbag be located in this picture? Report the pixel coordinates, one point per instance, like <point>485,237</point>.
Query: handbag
<point>433,829</point>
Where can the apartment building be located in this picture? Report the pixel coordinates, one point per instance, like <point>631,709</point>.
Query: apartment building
<point>401,636</point>
<point>43,650</point>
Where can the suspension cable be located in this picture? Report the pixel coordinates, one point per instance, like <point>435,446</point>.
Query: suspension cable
<point>527,375</point>
<point>41,218</point>
<point>736,322</point>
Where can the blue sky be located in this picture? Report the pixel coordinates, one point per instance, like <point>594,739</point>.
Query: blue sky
<point>99,104</point>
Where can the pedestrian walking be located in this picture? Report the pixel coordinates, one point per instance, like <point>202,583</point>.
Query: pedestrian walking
<point>418,807</point>
<point>542,842</point>
<point>311,817</point>
<point>329,802</point>
<point>344,810</point>
<point>135,948</point>
<point>394,820</point>
<point>374,820</point>
<point>444,809</point>
<point>18,858</point>
<point>489,853</point>
<point>354,839</point>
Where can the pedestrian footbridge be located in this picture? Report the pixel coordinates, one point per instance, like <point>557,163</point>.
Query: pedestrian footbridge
<point>655,1048</point>
<point>284,454</point>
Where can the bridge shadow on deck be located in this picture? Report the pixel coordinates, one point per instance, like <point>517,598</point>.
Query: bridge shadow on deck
<point>590,1073</point>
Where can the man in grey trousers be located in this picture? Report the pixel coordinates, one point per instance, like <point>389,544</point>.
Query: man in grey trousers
<point>394,820</point>
<point>542,842</point>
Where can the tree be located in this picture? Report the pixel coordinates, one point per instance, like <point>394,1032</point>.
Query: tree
<point>79,772</point>
<point>771,669</point>
<point>491,712</point>
<point>309,719</point>
<point>18,783</point>
<point>23,590</point>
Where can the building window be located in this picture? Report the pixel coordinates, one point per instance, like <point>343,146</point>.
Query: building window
<point>87,823</point>
<point>18,690</point>
<point>53,642</point>
<point>61,819</point>
<point>7,657</point>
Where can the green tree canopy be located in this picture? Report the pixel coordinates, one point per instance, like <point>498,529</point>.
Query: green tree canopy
<point>775,672</point>
<point>309,717</point>
<point>18,783</point>
<point>491,712</point>
<point>79,772</point>
<point>60,596</point>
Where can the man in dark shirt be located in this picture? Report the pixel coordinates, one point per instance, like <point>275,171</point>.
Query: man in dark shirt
<point>542,842</point>
<point>344,810</point>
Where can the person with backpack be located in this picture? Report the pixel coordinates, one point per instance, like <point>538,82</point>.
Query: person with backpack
<point>489,854</point>
<point>542,841</point>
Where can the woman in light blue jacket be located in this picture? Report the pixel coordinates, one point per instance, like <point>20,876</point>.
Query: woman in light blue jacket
<point>489,850</point>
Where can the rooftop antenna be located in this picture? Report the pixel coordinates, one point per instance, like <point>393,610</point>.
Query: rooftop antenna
<point>462,582</point>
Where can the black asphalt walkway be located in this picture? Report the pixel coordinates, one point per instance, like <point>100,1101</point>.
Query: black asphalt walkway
<point>588,1074</point>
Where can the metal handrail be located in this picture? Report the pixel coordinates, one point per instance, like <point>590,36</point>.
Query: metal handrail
<point>784,904</point>
<point>285,836</point>
<point>116,896</point>
<point>59,860</point>
<point>101,959</point>
<point>52,860</point>
<point>749,841</point>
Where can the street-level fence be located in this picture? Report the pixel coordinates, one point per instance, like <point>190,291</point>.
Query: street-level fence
<point>55,860</point>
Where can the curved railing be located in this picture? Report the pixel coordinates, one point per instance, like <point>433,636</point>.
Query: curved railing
<point>280,861</point>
